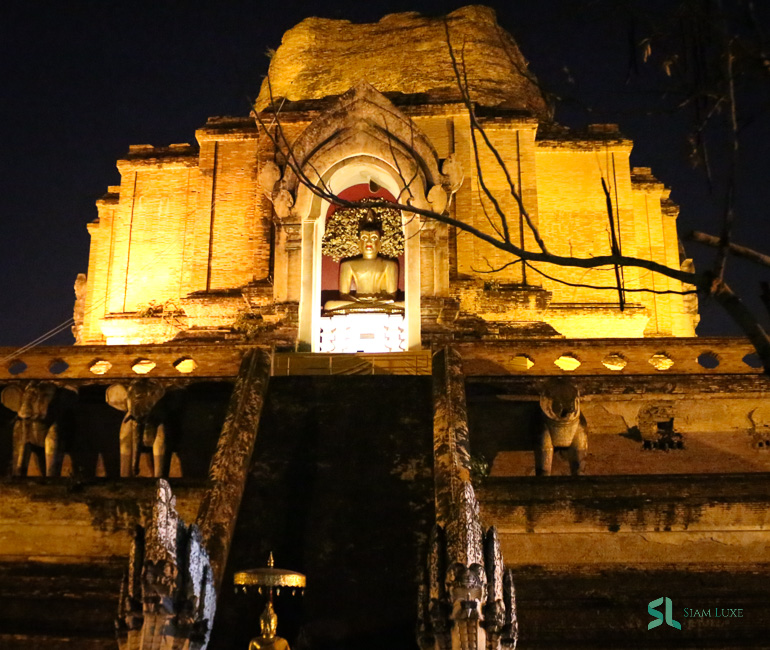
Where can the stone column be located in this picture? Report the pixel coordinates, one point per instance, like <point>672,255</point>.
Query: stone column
<point>412,282</point>
<point>305,283</point>
<point>288,241</point>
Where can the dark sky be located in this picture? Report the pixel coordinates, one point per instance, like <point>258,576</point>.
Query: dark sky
<point>81,81</point>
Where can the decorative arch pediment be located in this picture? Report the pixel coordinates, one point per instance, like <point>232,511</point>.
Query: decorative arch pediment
<point>361,138</point>
<point>364,123</point>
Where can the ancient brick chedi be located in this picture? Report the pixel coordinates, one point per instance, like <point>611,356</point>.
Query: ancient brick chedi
<point>225,235</point>
<point>502,457</point>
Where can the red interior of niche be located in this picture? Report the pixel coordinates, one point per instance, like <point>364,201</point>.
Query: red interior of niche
<point>330,269</point>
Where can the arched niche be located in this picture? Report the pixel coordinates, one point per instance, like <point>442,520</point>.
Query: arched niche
<point>312,210</point>
<point>330,268</point>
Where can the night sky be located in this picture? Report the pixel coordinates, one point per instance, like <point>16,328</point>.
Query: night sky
<point>81,81</point>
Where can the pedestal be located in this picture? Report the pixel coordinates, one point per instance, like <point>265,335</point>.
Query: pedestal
<point>363,332</point>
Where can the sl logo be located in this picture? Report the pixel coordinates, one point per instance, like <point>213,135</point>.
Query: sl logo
<point>652,609</point>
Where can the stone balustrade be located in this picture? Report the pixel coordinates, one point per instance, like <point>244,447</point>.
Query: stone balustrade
<point>658,356</point>
<point>114,361</point>
<point>651,356</point>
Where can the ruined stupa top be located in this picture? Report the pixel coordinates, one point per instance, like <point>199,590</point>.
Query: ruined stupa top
<point>404,53</point>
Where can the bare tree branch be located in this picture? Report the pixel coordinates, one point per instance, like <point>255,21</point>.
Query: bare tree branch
<point>711,283</point>
<point>479,173</point>
<point>614,242</point>
<point>743,316</point>
<point>476,125</point>
<point>491,223</point>
<point>582,285</point>
<point>492,269</point>
<point>283,138</point>
<point>407,184</point>
<point>729,216</point>
<point>764,295</point>
<point>735,249</point>
<point>509,247</point>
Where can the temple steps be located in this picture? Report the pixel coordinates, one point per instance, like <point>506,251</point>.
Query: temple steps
<point>340,488</point>
<point>59,606</point>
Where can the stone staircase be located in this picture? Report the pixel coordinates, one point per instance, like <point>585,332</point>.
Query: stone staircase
<point>340,488</point>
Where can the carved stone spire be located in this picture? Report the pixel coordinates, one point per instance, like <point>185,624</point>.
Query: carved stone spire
<point>464,605</point>
<point>168,598</point>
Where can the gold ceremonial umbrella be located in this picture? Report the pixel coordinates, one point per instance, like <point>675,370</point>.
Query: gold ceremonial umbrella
<point>270,579</point>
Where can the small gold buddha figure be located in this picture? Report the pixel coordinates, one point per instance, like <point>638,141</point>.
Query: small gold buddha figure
<point>375,277</point>
<point>268,623</point>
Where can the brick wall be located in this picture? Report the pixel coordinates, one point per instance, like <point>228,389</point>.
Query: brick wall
<point>184,221</point>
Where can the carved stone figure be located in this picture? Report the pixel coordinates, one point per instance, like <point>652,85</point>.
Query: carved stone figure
<point>79,310</point>
<point>656,424</point>
<point>143,429</point>
<point>438,199</point>
<point>467,605</point>
<point>167,599</point>
<point>564,426</point>
<point>283,202</point>
<point>281,198</point>
<point>453,173</point>
<point>268,176</point>
<point>40,427</point>
<point>375,277</point>
<point>268,622</point>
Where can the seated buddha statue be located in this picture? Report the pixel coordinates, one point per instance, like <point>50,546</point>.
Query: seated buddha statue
<point>375,278</point>
<point>268,640</point>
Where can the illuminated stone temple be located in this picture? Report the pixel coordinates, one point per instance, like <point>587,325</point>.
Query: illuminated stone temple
<point>197,235</point>
<point>458,450</point>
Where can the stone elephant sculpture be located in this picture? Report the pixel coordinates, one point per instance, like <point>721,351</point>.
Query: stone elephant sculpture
<point>564,427</point>
<point>43,424</point>
<point>143,428</point>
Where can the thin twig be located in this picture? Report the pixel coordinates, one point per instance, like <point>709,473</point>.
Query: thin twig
<point>407,185</point>
<point>745,319</point>
<point>323,192</point>
<point>581,285</point>
<point>463,86</point>
<point>492,224</point>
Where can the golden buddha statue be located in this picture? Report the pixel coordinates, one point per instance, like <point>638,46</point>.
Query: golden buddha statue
<point>375,277</point>
<point>268,640</point>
